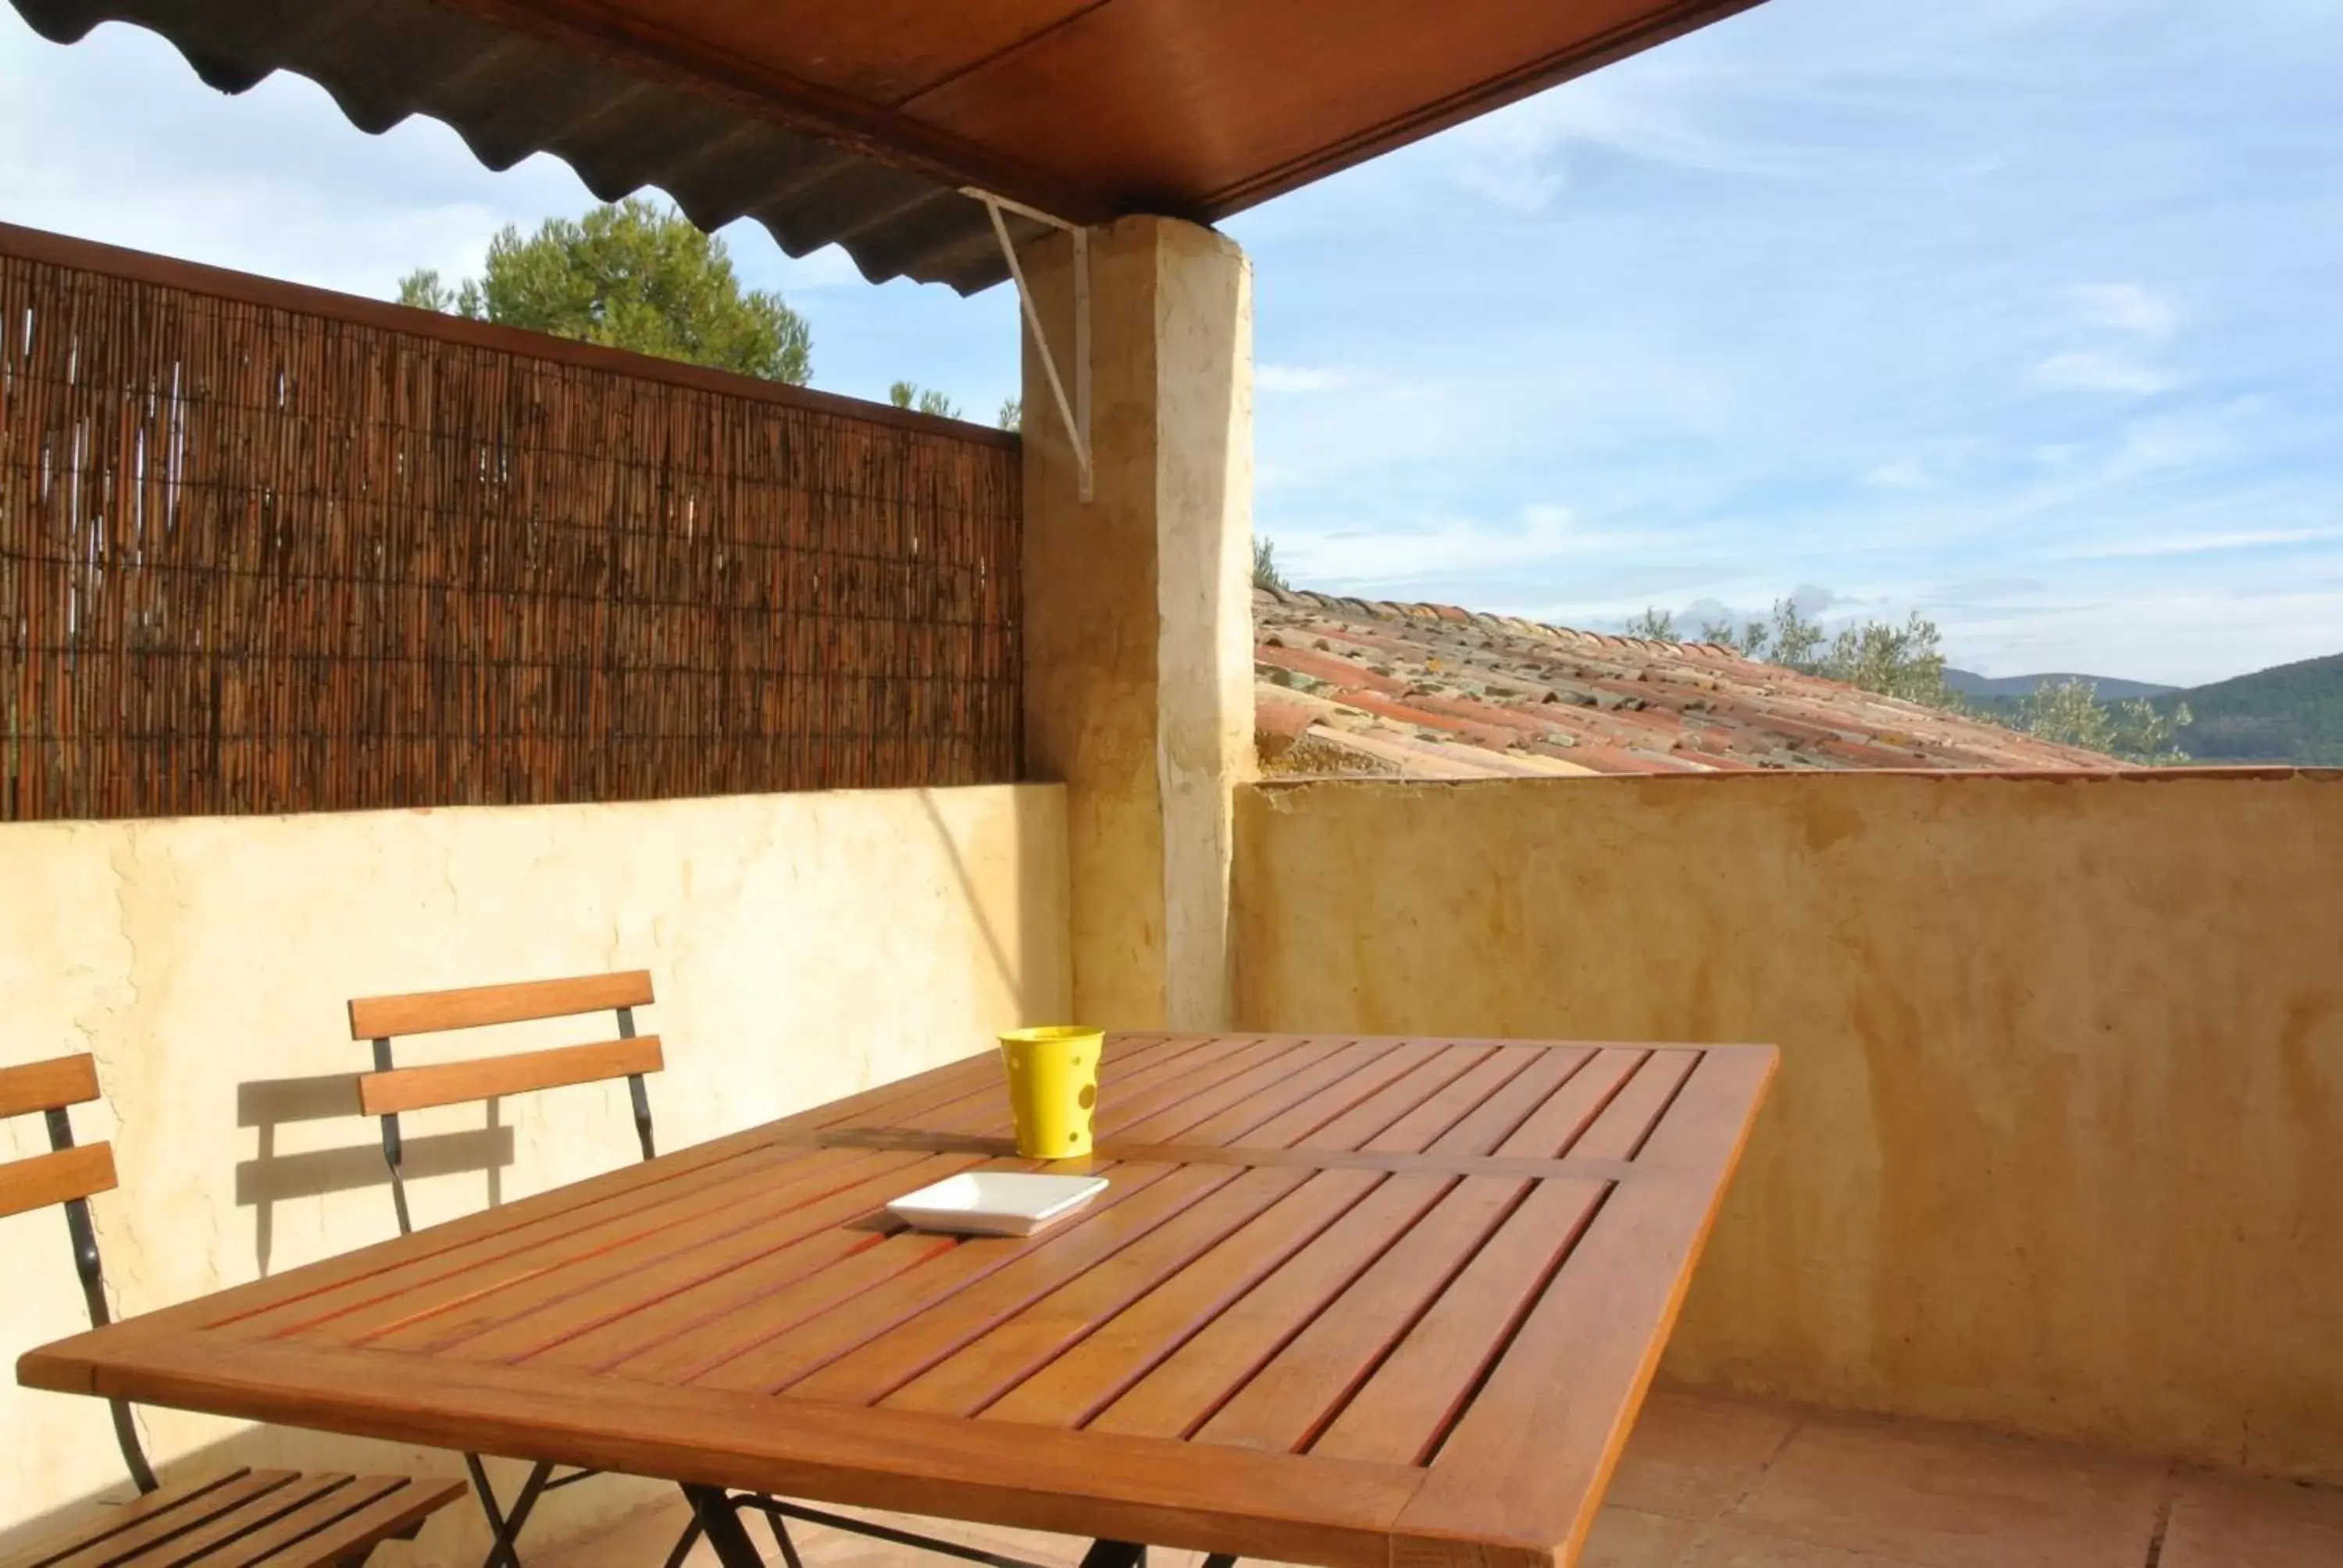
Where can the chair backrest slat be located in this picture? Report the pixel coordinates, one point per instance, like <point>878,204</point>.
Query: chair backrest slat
<point>390,1089</point>
<point>70,1174</point>
<point>476,1007</point>
<point>49,1085</point>
<point>415,1088</point>
<point>56,1178</point>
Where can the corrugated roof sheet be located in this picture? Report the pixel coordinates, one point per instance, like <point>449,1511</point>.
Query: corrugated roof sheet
<point>509,94</point>
<point>1431,691</point>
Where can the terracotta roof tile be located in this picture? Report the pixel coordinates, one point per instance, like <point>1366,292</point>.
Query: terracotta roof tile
<point>1331,669</point>
<point>1438,692</point>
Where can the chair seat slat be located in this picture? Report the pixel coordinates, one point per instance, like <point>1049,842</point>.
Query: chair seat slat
<point>88,1526</point>
<point>392,1515</point>
<point>245,1519</point>
<point>114,1548</point>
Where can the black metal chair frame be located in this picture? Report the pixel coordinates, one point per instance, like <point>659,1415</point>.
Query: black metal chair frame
<point>91,1270</point>
<point>506,1524</point>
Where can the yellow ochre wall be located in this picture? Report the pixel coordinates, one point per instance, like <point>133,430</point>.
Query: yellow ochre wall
<point>2057,1140</point>
<point>803,946</point>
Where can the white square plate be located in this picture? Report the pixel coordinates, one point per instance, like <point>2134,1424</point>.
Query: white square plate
<point>995,1203</point>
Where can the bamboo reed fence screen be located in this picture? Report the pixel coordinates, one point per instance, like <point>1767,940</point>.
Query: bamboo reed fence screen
<point>267,549</point>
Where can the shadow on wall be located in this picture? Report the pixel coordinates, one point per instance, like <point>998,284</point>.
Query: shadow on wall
<point>1014,967</point>
<point>270,1178</point>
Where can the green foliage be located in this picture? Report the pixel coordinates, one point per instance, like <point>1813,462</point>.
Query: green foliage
<point>1012,414</point>
<point>1655,626</point>
<point>2289,713</point>
<point>1265,573</point>
<point>422,290</point>
<point>1905,661</point>
<point>2069,713</point>
<point>926,399</point>
<point>638,276</point>
<point>1788,639</point>
<point>1908,661</point>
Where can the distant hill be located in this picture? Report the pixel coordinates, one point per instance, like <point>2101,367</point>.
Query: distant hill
<point>2289,713</point>
<point>2013,686</point>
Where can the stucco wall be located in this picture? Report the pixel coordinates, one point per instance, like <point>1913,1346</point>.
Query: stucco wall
<point>803,946</point>
<point>1138,613</point>
<point>2057,1142</point>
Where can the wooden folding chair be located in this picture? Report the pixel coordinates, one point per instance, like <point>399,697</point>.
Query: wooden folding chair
<point>390,1089</point>
<point>241,1518</point>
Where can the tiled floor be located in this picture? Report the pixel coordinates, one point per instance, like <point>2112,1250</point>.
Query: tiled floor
<point>1721,1484</point>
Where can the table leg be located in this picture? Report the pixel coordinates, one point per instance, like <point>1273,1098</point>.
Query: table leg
<point>504,1552</point>
<point>722,1524</point>
<point>716,1513</point>
<point>1115,1554</point>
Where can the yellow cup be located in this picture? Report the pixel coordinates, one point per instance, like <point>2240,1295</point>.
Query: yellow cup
<point>1052,1085</point>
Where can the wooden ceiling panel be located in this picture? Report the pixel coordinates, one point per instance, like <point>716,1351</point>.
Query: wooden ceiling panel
<point>1200,106</point>
<point>1083,109</point>
<point>882,51</point>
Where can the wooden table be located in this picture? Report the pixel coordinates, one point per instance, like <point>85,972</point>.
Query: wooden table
<point>1347,1302</point>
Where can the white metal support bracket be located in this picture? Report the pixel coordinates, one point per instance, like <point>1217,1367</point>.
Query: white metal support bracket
<point>1074,411</point>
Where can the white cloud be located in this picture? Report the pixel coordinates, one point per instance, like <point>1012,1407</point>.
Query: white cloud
<point>2126,308</point>
<point>1268,378</point>
<point>2083,370</point>
<point>1668,115</point>
<point>2197,543</point>
<point>1901,474</point>
<point>1444,548</point>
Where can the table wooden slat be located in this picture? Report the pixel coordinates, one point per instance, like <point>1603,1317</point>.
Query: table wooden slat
<point>1305,1384</point>
<point>1260,1071</point>
<point>1175,1397</point>
<point>1525,1466</point>
<point>1122,1075</point>
<point>383,1307</point>
<point>1573,1107</point>
<point>1086,1376</point>
<point>1022,1344</point>
<point>1371,1303</point>
<point>1397,1100</point>
<point>1141,1198</point>
<point>1380,1062</point>
<point>1302,1083</point>
<point>1404,1409</point>
<point>1439,1114</point>
<point>941,1325</point>
<point>289,1300</point>
<point>1027,1477</point>
<point>519,1321</point>
<point>1497,1117</point>
<point>1623,1125</point>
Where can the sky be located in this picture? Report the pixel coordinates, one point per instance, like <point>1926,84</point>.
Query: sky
<point>2026,315</point>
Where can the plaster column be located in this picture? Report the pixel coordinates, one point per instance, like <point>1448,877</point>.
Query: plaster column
<point>1138,609</point>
